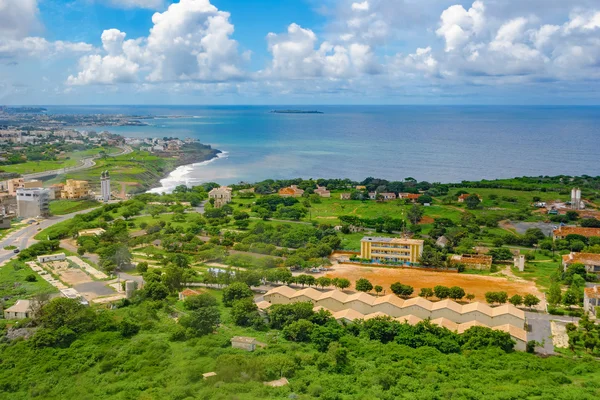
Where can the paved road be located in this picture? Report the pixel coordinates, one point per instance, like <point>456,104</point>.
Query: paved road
<point>23,238</point>
<point>541,331</point>
<point>85,163</point>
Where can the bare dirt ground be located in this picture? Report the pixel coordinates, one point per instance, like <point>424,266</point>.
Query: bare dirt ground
<point>476,284</point>
<point>559,334</point>
<point>70,276</point>
<point>426,220</point>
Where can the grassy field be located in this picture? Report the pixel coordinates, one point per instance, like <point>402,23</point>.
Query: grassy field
<point>13,285</point>
<point>539,271</point>
<point>66,161</point>
<point>62,207</point>
<point>136,170</point>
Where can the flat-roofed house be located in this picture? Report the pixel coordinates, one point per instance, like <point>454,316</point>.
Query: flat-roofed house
<point>394,250</point>
<point>590,260</point>
<point>21,310</point>
<point>291,191</point>
<point>246,343</point>
<point>91,232</point>
<point>563,231</point>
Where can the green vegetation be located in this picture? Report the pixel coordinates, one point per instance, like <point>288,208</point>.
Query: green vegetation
<point>15,283</point>
<point>130,347</point>
<point>62,207</point>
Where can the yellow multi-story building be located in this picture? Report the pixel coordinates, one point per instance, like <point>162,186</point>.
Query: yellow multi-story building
<point>394,250</point>
<point>75,189</point>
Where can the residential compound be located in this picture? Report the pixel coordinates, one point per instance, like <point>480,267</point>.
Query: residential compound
<point>74,189</point>
<point>447,313</point>
<point>291,191</point>
<point>32,203</point>
<point>322,191</point>
<point>590,260</point>
<point>391,250</point>
<point>221,196</point>
<point>563,231</point>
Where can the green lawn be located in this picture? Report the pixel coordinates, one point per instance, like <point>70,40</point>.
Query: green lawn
<point>539,271</point>
<point>62,207</point>
<point>13,285</point>
<point>69,160</point>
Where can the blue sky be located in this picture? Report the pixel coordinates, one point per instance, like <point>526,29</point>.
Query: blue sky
<point>299,52</point>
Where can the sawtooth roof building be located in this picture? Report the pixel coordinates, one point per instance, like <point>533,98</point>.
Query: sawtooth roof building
<point>447,313</point>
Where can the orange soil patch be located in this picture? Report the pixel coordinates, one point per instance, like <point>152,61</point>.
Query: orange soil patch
<point>476,284</point>
<point>426,220</point>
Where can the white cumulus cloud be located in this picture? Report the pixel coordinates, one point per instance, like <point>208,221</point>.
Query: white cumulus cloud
<point>149,4</point>
<point>190,41</point>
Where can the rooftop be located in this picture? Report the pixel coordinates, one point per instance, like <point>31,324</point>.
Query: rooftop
<point>575,230</point>
<point>379,239</point>
<point>20,306</point>
<point>584,258</point>
<point>590,292</point>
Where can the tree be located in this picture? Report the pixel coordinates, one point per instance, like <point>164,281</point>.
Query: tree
<point>341,283</point>
<point>281,315</point>
<point>67,313</point>
<point>426,292</point>
<point>424,199</point>
<point>456,293</point>
<point>236,291</point>
<point>298,331</point>
<point>363,285</point>
<point>516,300</point>
<point>554,296</point>
<point>401,290</point>
<point>378,289</point>
<point>501,254</point>
<point>202,321</point>
<point>142,267</point>
<point>414,214</point>
<point>199,301</point>
<point>472,201</point>
<point>479,337</point>
<point>530,300</point>
<point>571,297</point>
<point>496,297</point>
<point>470,297</point>
<point>441,292</point>
<point>244,312</point>
<point>323,282</point>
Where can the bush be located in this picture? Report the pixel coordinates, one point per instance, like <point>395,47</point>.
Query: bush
<point>236,291</point>
<point>31,278</point>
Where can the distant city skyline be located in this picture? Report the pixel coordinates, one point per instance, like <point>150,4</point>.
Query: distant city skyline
<point>237,52</point>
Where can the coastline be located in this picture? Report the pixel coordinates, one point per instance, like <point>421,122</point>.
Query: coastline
<point>176,177</point>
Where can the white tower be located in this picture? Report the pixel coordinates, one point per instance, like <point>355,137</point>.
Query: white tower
<point>105,186</point>
<point>576,203</point>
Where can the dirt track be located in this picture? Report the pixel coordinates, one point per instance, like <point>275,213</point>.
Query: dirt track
<point>476,284</point>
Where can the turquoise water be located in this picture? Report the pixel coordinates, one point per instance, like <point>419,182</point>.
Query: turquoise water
<point>437,144</point>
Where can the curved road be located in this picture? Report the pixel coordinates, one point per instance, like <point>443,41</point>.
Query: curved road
<point>85,163</point>
<point>23,238</point>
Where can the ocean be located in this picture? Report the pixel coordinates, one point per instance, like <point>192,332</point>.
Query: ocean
<point>432,143</point>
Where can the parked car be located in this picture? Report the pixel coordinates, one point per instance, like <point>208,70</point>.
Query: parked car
<point>16,251</point>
